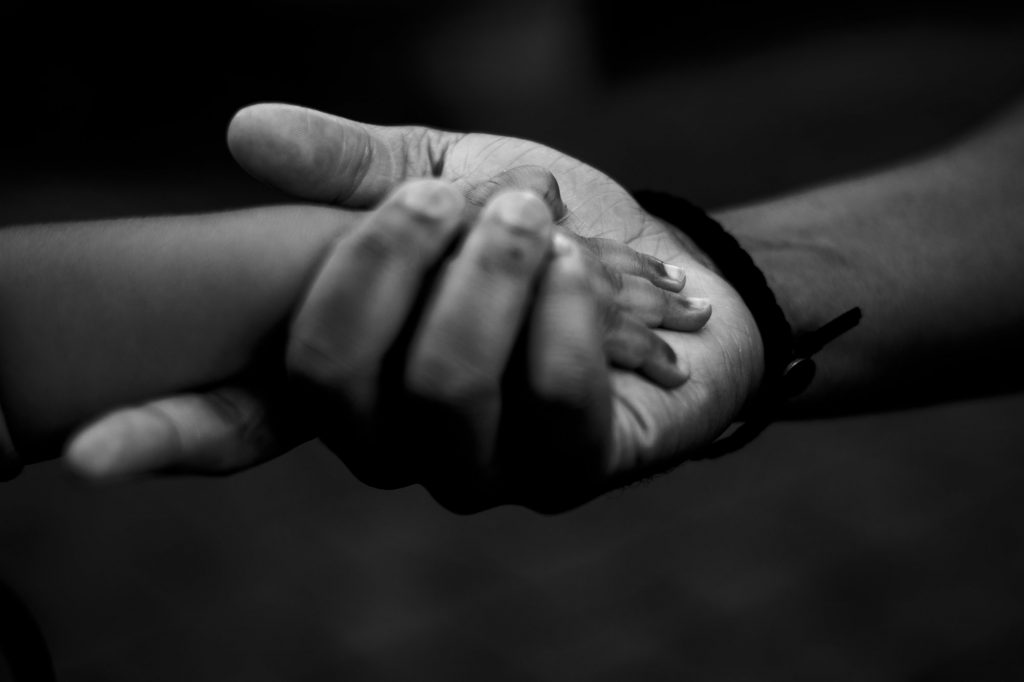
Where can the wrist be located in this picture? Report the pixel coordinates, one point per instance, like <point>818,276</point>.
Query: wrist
<point>787,356</point>
<point>810,276</point>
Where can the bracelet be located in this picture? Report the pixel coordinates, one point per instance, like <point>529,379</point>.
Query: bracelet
<point>10,465</point>
<point>788,363</point>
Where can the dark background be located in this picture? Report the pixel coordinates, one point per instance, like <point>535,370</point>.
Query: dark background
<point>876,548</point>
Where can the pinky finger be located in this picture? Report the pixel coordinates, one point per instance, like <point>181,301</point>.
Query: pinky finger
<point>630,344</point>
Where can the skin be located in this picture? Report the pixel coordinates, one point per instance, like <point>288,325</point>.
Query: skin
<point>106,313</point>
<point>109,313</point>
<point>452,386</point>
<point>327,158</point>
<point>323,157</point>
<point>930,250</point>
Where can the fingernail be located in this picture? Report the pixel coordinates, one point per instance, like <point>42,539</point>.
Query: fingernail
<point>523,209</point>
<point>674,272</point>
<point>430,198</point>
<point>698,304</point>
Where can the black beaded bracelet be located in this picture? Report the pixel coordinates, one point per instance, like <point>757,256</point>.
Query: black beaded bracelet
<point>788,363</point>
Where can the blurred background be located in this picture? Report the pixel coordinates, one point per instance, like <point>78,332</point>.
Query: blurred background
<point>882,547</point>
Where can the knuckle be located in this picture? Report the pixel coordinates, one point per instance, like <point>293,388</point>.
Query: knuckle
<point>512,258</point>
<point>310,362</point>
<point>380,245</point>
<point>655,313</point>
<point>450,381</point>
<point>628,350</point>
<point>644,301</point>
<point>647,266</point>
<point>597,247</point>
<point>614,278</point>
<point>235,408</point>
<point>154,416</point>
<point>625,354</point>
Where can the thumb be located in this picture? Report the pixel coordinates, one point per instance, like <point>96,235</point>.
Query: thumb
<point>330,159</point>
<point>219,432</point>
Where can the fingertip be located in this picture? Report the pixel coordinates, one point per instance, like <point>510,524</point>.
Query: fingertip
<point>520,208</point>
<point>251,121</point>
<point>667,276</point>
<point>542,181</point>
<point>536,179</point>
<point>272,143</point>
<point>431,198</point>
<point>687,314</point>
<point>673,272</point>
<point>667,373</point>
<point>308,153</point>
<point>97,453</point>
<point>700,309</point>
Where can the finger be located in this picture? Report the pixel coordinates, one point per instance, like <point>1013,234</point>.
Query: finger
<point>659,308</point>
<point>326,158</point>
<point>366,287</point>
<point>355,311</point>
<point>619,257</point>
<point>460,352</point>
<point>536,179</point>
<point>569,422</point>
<point>630,344</point>
<point>223,431</point>
<point>555,425</point>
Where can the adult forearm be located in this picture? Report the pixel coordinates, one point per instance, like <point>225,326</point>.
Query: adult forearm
<point>102,314</point>
<point>931,251</point>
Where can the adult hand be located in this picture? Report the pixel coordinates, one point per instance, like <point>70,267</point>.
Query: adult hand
<point>233,427</point>
<point>327,158</point>
<point>507,341</point>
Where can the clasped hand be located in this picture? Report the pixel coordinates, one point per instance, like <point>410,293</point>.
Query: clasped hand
<point>468,348</point>
<point>482,375</point>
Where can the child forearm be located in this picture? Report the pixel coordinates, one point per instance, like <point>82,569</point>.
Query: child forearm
<point>100,314</point>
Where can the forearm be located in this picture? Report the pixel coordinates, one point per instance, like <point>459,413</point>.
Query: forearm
<point>932,252</point>
<point>102,314</point>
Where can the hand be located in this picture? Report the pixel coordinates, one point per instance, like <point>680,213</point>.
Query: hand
<point>327,158</point>
<point>410,388</point>
<point>234,427</point>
